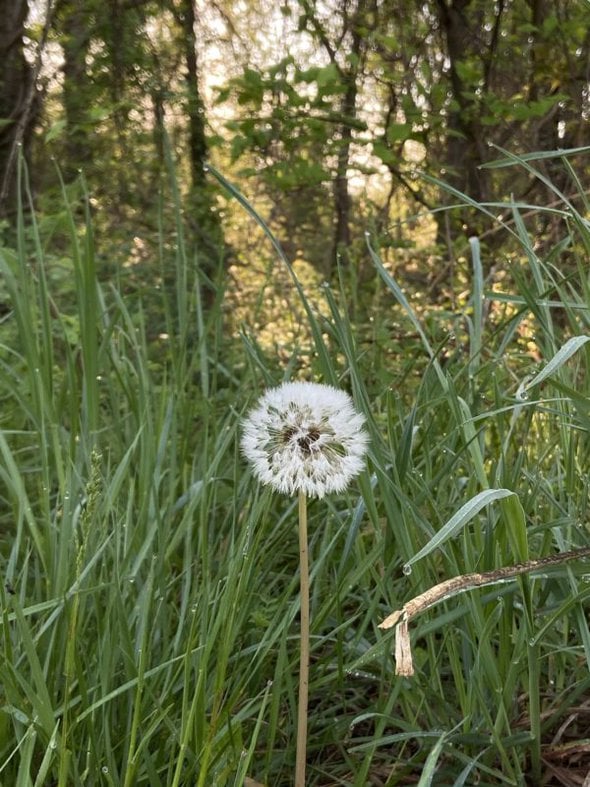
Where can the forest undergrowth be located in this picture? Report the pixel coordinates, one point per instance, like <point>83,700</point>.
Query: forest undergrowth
<point>149,589</point>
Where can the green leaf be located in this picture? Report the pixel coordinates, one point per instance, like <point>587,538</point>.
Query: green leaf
<point>399,132</point>
<point>55,130</point>
<point>561,356</point>
<point>328,79</point>
<point>459,520</point>
<point>251,88</point>
<point>515,519</point>
<point>383,152</point>
<point>429,769</point>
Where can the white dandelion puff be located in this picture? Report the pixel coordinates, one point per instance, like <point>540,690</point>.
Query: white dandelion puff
<point>305,437</point>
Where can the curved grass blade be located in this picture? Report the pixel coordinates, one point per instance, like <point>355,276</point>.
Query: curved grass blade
<point>458,520</point>
<point>561,356</point>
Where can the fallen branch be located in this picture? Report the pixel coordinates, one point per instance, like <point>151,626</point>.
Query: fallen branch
<point>451,587</point>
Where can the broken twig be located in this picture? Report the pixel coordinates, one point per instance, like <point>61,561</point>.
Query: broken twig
<point>453,586</point>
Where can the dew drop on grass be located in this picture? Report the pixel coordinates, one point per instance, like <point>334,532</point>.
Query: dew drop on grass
<point>105,769</point>
<point>407,569</point>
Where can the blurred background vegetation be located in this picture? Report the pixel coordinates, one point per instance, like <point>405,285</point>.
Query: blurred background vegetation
<point>335,117</point>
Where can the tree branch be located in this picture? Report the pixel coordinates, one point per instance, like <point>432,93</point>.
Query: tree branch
<point>27,108</point>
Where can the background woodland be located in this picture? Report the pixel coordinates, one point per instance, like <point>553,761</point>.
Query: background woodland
<point>335,117</point>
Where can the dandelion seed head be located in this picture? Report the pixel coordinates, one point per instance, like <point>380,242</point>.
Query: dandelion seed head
<point>305,437</point>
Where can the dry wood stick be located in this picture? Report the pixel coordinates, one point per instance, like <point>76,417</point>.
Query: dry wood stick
<point>450,587</point>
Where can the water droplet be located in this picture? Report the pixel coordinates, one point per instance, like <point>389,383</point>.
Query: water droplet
<point>105,769</point>
<point>532,642</point>
<point>407,569</point>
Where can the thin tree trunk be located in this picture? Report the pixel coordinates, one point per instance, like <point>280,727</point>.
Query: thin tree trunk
<point>348,109</point>
<point>204,222</point>
<point>75,38</point>
<point>342,201</point>
<point>195,108</point>
<point>16,80</point>
<point>119,75</point>
<point>465,143</point>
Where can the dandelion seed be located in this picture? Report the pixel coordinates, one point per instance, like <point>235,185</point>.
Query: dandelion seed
<point>305,437</point>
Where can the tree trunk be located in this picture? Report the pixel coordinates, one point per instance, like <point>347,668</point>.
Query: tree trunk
<point>76,99</point>
<point>466,149</point>
<point>194,104</point>
<point>118,32</point>
<point>205,224</point>
<point>348,110</point>
<point>342,201</point>
<point>15,97</point>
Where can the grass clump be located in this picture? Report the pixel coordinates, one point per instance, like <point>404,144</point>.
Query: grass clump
<point>149,594</point>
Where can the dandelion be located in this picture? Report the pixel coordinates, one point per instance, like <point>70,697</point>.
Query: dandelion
<point>305,439</point>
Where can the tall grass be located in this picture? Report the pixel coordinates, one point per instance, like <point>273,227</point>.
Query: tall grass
<point>149,599</point>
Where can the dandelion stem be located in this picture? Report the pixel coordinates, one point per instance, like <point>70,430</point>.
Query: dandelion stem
<point>301,755</point>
